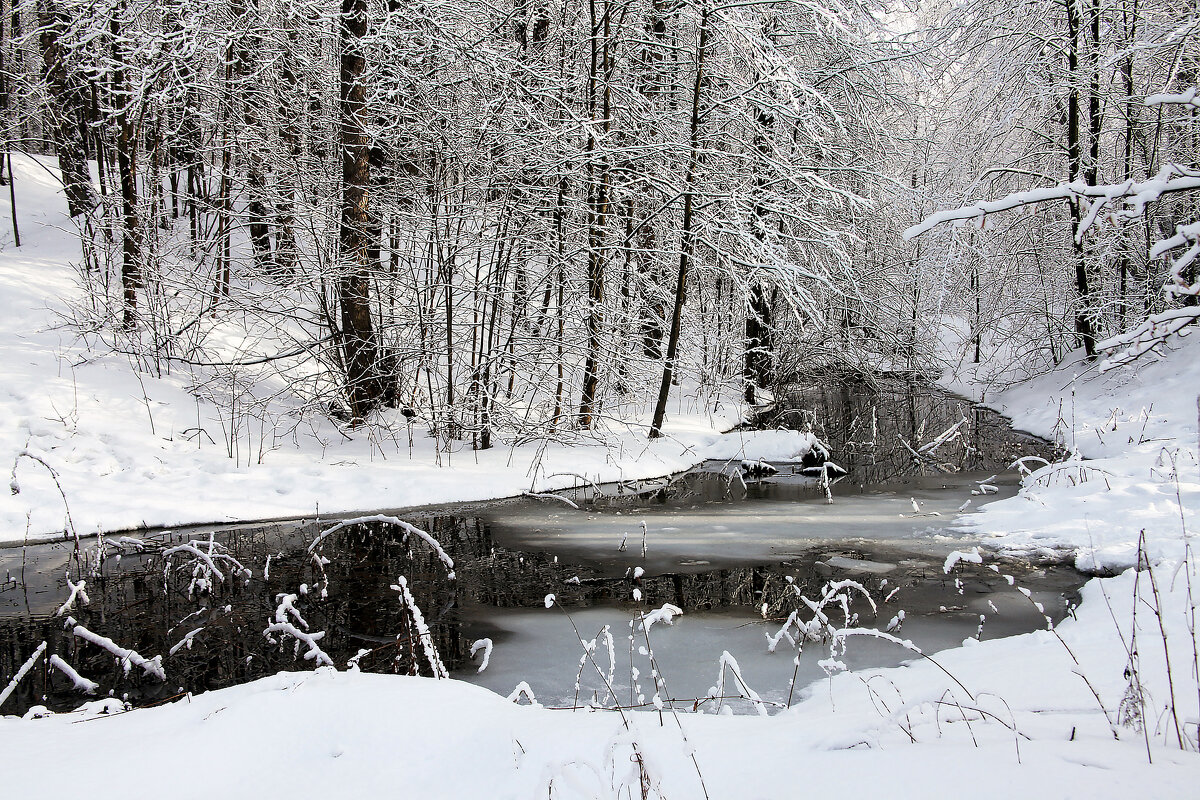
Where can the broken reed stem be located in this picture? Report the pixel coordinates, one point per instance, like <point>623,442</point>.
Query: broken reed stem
<point>1144,558</point>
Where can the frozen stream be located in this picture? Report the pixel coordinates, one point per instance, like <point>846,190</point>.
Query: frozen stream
<point>720,561</point>
<point>784,517</point>
<point>732,548</point>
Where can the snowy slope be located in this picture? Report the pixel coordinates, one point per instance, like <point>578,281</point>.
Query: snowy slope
<point>1134,435</point>
<point>294,736</point>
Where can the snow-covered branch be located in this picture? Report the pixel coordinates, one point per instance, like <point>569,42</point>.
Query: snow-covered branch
<point>314,652</point>
<point>287,607</point>
<point>127,658</point>
<point>22,672</point>
<point>1187,98</point>
<point>971,556</point>
<point>205,557</point>
<point>665,615</point>
<point>728,662</point>
<point>186,641</point>
<point>199,554</point>
<point>1147,336</point>
<point>428,646</point>
<point>81,683</point>
<point>77,593</point>
<point>486,646</point>
<point>1135,194</point>
<point>409,530</point>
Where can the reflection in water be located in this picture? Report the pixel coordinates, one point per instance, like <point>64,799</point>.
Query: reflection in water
<point>878,433</point>
<point>144,607</point>
<point>890,428</point>
<point>214,638</point>
<point>141,605</point>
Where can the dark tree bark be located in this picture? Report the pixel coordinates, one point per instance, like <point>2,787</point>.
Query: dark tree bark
<point>759,345</point>
<point>360,348</point>
<point>4,98</point>
<point>6,155</point>
<point>598,202</point>
<point>1129,13</point>
<point>188,154</point>
<point>653,308</point>
<point>225,190</point>
<point>12,199</point>
<point>256,210</point>
<point>67,111</point>
<point>687,241</point>
<point>760,321</point>
<point>243,93</point>
<point>1075,43</point>
<point>131,243</point>
<point>286,250</point>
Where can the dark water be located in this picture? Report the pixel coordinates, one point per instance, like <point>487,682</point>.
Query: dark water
<point>873,427</point>
<point>509,555</point>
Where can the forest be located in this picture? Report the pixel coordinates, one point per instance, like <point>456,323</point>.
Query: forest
<point>600,398</point>
<point>514,221</point>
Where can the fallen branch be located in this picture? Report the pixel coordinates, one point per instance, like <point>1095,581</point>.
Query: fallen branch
<point>550,496</point>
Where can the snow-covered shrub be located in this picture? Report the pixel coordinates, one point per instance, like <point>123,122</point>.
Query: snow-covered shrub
<point>204,560</point>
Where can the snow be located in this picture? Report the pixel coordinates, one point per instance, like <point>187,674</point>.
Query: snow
<point>1185,98</point>
<point>411,733</point>
<point>952,560</point>
<point>486,646</point>
<point>1148,335</point>
<point>1135,434</point>
<point>77,593</point>
<point>728,662</point>
<point>126,657</point>
<point>1103,705</point>
<point>666,615</point>
<point>22,672</point>
<point>81,683</point>
<point>314,652</point>
<point>423,635</point>
<point>1171,178</point>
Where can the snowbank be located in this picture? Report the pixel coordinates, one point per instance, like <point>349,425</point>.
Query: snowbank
<point>1134,435</point>
<point>328,734</point>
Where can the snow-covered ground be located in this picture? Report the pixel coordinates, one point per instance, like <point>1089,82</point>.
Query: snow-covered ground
<point>1047,714</point>
<point>1134,435</point>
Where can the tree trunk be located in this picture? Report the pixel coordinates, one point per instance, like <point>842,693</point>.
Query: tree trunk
<point>286,249</point>
<point>759,322</point>
<point>687,242</point>
<point>1083,317</point>
<point>653,309</point>
<point>1130,18</point>
<point>759,319</point>
<point>225,196</point>
<point>131,272</point>
<point>4,98</point>
<point>598,176</point>
<point>243,93</point>
<point>6,154</point>
<point>364,387</point>
<point>67,111</point>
